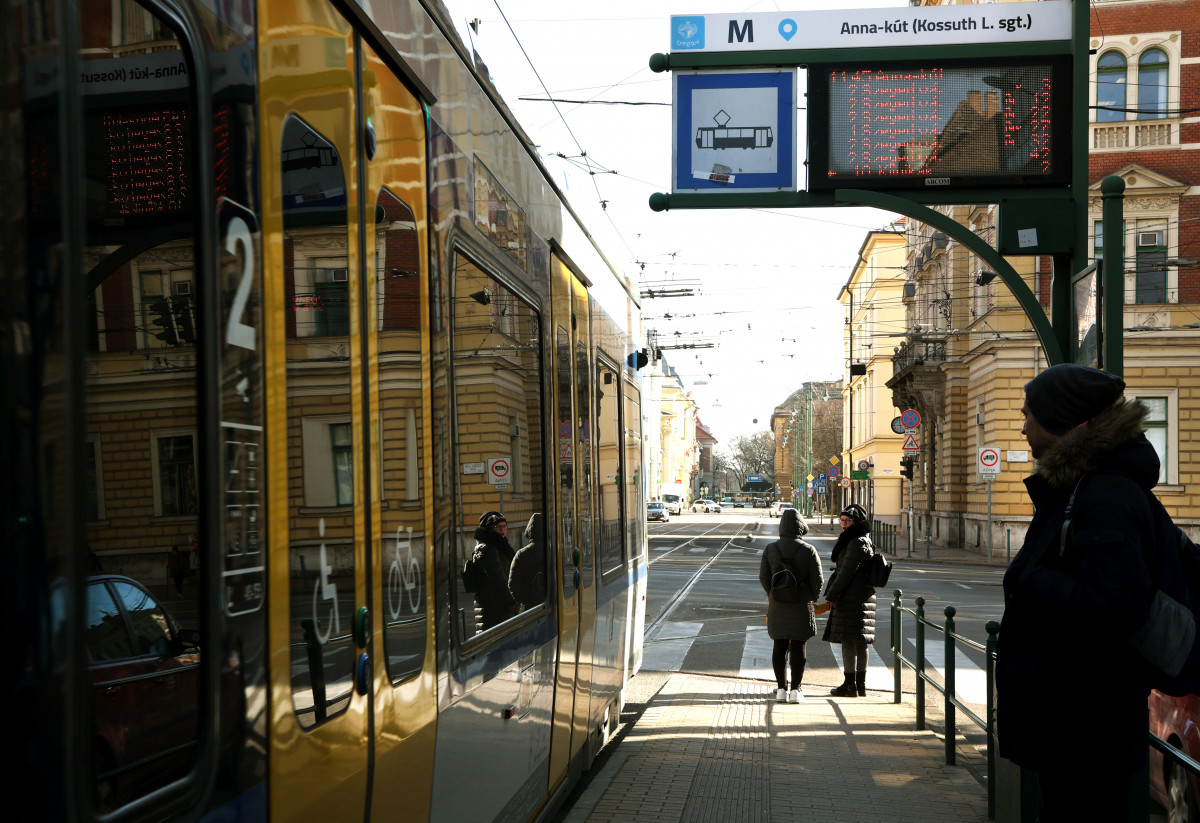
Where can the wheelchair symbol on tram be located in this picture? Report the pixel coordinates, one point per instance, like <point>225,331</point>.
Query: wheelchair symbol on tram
<point>325,619</point>
<point>404,577</point>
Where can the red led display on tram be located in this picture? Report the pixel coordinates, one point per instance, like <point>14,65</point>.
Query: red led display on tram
<point>896,126</point>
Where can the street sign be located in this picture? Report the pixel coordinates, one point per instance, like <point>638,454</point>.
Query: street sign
<point>911,444</point>
<point>499,470</point>
<point>989,461</point>
<point>910,419</point>
<point>820,477</point>
<point>860,474</point>
<point>734,130</point>
<point>811,478</point>
<point>833,471</point>
<point>863,465</point>
<point>834,460</point>
<point>754,478</point>
<point>845,482</point>
<point>473,468</point>
<point>822,489</point>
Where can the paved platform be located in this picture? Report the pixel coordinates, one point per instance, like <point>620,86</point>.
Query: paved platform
<point>718,749</point>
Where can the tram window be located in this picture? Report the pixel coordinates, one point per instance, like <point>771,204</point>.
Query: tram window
<point>400,430</point>
<point>631,478</point>
<point>583,453</point>
<point>140,444</point>
<point>608,471</point>
<point>321,454</point>
<point>498,407</point>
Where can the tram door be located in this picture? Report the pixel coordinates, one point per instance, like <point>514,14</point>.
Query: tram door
<point>319,709</point>
<point>576,578</point>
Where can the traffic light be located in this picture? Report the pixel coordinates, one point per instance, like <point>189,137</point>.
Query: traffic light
<point>164,318</point>
<point>906,467</point>
<point>185,323</point>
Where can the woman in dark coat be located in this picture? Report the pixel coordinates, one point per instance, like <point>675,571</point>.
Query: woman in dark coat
<point>491,544</point>
<point>852,600</point>
<point>790,625</point>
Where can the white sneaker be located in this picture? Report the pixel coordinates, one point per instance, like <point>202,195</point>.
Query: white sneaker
<point>795,696</point>
<point>781,696</point>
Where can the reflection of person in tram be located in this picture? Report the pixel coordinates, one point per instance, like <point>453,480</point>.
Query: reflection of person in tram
<point>491,544</point>
<point>527,579</point>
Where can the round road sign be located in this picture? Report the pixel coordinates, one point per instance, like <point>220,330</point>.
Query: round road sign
<point>989,460</point>
<point>845,482</point>
<point>910,419</point>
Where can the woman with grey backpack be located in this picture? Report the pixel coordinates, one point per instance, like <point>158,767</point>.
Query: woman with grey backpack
<point>790,574</point>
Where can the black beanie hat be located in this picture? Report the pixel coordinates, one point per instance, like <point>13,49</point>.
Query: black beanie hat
<point>1063,396</point>
<point>855,512</point>
<point>489,519</point>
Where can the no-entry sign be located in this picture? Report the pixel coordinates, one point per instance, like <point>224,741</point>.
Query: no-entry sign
<point>989,460</point>
<point>499,470</point>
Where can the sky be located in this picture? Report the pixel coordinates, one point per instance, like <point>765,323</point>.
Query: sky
<point>763,284</point>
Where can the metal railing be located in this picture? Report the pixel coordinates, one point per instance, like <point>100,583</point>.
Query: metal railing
<point>951,702</point>
<point>884,535</point>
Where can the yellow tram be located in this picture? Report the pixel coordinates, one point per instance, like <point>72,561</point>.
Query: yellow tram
<point>290,304</point>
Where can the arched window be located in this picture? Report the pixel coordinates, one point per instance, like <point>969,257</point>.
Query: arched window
<point>1110,87</point>
<point>1152,84</point>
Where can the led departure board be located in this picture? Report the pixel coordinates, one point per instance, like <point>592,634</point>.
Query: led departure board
<point>945,124</point>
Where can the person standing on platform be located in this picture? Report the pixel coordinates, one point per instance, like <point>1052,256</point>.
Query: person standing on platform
<point>496,556</point>
<point>1074,598</point>
<point>790,624</point>
<point>851,599</point>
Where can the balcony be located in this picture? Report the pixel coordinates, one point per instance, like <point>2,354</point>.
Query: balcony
<point>916,353</point>
<point>1134,134</point>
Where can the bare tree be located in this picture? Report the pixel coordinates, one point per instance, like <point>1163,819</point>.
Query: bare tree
<point>747,455</point>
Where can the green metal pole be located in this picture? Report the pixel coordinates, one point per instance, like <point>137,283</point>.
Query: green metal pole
<point>897,646</point>
<point>1110,290</point>
<point>993,629</point>
<point>920,661</point>
<point>951,731</point>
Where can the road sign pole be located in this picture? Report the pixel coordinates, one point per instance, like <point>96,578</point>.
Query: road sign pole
<point>989,526</point>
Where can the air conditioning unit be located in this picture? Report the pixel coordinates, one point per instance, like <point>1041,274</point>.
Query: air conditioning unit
<point>182,288</point>
<point>1149,238</point>
<point>339,275</point>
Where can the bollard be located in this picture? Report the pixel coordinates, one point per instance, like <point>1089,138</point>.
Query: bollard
<point>949,702</point>
<point>1008,548</point>
<point>920,661</point>
<point>897,645</point>
<point>928,529</point>
<point>993,629</point>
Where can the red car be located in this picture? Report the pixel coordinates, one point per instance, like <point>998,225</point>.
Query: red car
<point>145,676</point>
<point>1174,719</point>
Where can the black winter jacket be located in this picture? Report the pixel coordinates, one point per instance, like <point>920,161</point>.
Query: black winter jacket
<point>1065,674</point>
<point>791,621</point>
<point>493,596</point>
<point>852,617</point>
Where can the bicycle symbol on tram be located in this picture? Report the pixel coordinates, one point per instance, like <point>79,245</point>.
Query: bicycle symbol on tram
<point>404,576</point>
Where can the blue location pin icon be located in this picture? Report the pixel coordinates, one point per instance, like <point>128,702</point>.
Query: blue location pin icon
<point>787,28</point>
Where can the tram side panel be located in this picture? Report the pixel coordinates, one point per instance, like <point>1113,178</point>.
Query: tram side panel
<point>496,652</point>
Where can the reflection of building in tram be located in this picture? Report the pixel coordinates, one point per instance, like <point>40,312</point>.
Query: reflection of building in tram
<point>719,137</point>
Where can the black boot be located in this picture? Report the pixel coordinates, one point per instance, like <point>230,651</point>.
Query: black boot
<point>860,683</point>
<point>847,688</point>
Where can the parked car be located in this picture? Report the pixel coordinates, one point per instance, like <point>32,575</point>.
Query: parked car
<point>706,506</point>
<point>760,504</point>
<point>1177,721</point>
<point>777,509</point>
<point>657,511</point>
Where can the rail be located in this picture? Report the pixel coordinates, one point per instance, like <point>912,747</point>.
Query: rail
<point>951,703</point>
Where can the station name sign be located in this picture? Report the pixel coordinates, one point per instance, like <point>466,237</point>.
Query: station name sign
<point>1020,22</point>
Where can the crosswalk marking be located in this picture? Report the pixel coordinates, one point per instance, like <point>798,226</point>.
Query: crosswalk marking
<point>667,647</point>
<point>970,681</point>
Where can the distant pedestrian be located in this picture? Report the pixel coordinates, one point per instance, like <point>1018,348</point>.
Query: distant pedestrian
<point>177,569</point>
<point>852,600</point>
<point>790,625</point>
<point>1073,600</point>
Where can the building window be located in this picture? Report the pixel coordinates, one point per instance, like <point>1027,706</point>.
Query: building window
<point>341,446</point>
<point>1110,87</point>
<point>176,475</point>
<point>1151,267</point>
<point>1152,84</point>
<point>1156,431</point>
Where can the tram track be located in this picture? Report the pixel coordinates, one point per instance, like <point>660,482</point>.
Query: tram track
<point>678,596</point>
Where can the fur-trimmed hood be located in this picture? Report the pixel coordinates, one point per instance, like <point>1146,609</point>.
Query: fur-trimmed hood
<point>1113,439</point>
